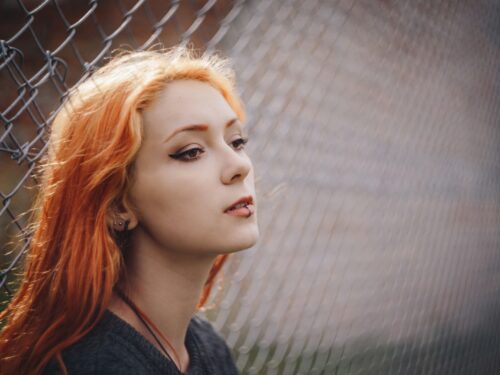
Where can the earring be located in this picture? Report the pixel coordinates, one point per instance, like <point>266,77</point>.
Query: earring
<point>118,225</point>
<point>121,225</point>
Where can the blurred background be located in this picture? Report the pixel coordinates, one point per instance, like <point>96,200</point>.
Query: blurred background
<point>374,131</point>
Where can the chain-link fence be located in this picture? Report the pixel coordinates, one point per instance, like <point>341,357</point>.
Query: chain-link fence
<point>375,139</point>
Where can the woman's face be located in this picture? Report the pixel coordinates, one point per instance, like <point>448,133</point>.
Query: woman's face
<point>184,180</point>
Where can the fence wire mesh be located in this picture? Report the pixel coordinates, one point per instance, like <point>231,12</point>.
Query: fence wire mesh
<point>375,134</point>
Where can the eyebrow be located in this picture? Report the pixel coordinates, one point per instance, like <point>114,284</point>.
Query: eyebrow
<point>200,127</point>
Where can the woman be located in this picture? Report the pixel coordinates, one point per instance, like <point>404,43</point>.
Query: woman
<point>145,191</point>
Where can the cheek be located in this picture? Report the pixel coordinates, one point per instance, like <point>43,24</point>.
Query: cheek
<point>159,193</point>
<point>174,206</point>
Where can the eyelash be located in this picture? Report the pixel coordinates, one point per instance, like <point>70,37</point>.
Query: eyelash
<point>181,155</point>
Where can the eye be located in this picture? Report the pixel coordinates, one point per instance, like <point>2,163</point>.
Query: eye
<point>188,155</point>
<point>240,143</point>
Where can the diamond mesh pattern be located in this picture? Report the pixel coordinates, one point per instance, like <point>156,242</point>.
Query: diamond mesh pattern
<point>374,133</point>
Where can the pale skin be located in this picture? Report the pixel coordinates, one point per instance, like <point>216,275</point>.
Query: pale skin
<point>178,225</point>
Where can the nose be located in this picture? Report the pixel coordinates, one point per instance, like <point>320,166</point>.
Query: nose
<point>236,166</point>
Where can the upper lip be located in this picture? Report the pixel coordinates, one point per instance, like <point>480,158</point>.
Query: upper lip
<point>248,200</point>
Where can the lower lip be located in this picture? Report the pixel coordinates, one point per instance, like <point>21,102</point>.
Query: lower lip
<point>243,211</point>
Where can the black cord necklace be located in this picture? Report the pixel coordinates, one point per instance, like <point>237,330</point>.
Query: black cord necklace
<point>140,314</point>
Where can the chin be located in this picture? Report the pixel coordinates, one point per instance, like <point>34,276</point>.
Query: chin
<point>239,244</point>
<point>246,246</point>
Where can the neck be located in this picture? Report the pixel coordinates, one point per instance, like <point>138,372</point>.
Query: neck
<point>166,286</point>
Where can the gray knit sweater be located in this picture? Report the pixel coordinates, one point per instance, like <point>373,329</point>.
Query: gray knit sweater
<point>114,347</point>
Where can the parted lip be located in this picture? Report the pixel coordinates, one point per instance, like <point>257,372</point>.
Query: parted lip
<point>248,200</point>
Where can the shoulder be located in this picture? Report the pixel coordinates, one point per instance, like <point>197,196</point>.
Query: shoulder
<point>100,352</point>
<point>87,358</point>
<point>213,347</point>
<point>81,363</point>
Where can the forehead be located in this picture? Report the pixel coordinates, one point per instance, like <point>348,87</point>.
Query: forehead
<point>185,102</point>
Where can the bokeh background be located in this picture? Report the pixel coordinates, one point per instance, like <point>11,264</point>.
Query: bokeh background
<point>375,134</point>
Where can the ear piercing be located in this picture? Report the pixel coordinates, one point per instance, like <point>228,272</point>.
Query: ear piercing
<point>121,225</point>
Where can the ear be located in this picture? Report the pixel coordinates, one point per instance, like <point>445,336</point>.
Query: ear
<point>121,219</point>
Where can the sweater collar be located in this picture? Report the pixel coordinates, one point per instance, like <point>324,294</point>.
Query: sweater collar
<point>159,360</point>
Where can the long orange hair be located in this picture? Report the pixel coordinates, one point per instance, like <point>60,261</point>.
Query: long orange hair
<point>74,259</point>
